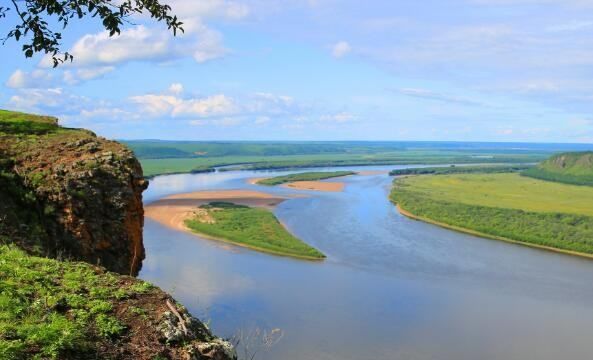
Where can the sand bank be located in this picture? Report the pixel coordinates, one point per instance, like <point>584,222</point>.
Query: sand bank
<point>172,211</point>
<point>315,186</point>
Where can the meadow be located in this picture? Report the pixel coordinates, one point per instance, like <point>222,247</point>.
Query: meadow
<point>255,228</point>
<point>444,170</point>
<point>506,206</point>
<point>307,176</point>
<point>161,166</point>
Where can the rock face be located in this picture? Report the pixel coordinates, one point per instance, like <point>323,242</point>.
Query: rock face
<point>69,194</point>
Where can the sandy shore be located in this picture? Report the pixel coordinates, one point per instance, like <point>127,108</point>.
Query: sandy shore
<point>173,210</point>
<point>315,186</point>
<point>307,185</point>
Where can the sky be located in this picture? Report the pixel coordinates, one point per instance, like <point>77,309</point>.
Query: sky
<point>456,70</point>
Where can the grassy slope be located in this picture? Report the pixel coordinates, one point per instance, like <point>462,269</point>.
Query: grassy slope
<point>505,206</point>
<point>571,168</point>
<point>54,309</point>
<point>254,228</point>
<point>307,176</point>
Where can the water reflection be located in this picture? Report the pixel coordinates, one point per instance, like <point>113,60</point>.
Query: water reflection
<point>392,288</point>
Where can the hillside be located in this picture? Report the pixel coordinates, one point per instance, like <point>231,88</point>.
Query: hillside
<point>572,168</point>
<point>69,195</point>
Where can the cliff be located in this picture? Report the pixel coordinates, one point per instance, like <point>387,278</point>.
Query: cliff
<point>70,194</point>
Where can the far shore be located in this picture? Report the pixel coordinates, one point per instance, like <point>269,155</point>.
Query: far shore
<point>489,236</point>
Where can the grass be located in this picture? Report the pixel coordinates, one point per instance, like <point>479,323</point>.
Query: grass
<point>571,168</point>
<point>503,206</point>
<point>505,191</point>
<point>444,170</point>
<point>306,176</point>
<point>153,167</point>
<point>51,309</point>
<point>251,227</point>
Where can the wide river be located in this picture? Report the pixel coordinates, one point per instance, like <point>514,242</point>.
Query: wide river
<point>391,287</point>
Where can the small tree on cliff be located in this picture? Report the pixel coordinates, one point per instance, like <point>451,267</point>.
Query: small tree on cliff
<point>37,20</point>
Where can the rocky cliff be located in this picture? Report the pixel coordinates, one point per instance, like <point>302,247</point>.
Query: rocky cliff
<point>68,193</point>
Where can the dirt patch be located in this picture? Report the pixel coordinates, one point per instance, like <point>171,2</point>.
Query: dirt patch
<point>315,186</point>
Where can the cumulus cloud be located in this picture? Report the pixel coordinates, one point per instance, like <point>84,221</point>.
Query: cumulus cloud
<point>341,49</point>
<point>34,79</point>
<point>47,100</point>
<point>340,117</point>
<point>171,105</point>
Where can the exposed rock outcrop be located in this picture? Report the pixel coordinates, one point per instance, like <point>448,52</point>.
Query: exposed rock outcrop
<point>68,193</point>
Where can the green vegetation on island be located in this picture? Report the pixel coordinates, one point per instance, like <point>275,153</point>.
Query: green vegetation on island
<point>445,170</point>
<point>571,168</point>
<point>306,176</point>
<point>254,228</point>
<point>503,206</point>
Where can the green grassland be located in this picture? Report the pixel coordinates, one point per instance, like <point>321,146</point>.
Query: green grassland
<point>58,310</point>
<point>445,170</point>
<point>506,206</point>
<point>571,168</point>
<point>251,227</point>
<point>153,167</point>
<point>306,176</point>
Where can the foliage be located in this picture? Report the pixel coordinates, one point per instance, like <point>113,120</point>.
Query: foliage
<point>307,176</point>
<point>253,227</point>
<point>502,205</point>
<point>483,169</point>
<point>37,20</point>
<point>505,191</point>
<point>571,168</point>
<point>50,309</point>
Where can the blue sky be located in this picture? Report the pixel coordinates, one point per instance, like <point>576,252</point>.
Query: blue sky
<point>479,70</point>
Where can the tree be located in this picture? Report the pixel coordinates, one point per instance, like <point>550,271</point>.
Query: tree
<point>33,19</point>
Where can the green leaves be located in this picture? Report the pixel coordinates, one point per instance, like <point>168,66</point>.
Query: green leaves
<point>42,38</point>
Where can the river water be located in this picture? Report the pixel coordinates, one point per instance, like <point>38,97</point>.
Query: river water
<point>391,287</point>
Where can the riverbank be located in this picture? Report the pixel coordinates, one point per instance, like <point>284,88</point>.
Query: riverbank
<point>488,236</point>
<point>500,207</point>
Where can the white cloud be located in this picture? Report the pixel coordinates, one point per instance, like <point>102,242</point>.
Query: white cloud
<point>575,25</point>
<point>46,100</point>
<point>340,117</point>
<point>176,88</point>
<point>341,49</point>
<point>73,77</point>
<point>170,105</point>
<point>137,43</point>
<point>34,79</point>
<point>229,10</point>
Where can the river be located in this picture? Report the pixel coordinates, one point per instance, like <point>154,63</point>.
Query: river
<point>391,287</point>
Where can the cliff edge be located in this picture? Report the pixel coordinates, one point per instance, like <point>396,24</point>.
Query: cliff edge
<point>67,193</point>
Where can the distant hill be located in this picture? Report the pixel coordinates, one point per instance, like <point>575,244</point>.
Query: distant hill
<point>571,168</point>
